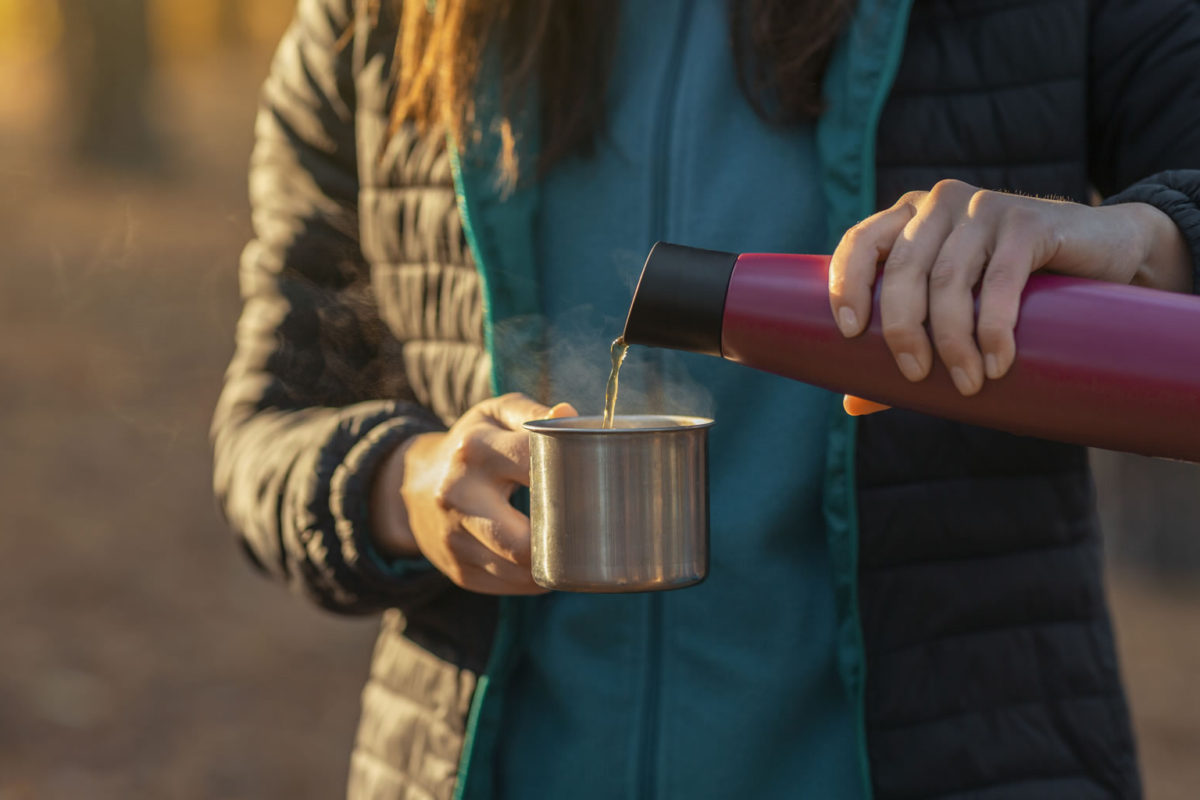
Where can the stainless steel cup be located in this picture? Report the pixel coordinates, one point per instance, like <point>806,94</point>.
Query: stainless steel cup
<point>623,509</point>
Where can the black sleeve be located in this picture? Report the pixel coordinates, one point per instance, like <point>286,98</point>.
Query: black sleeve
<point>1176,193</point>
<point>1144,108</point>
<point>306,413</point>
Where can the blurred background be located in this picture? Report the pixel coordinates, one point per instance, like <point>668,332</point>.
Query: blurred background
<point>139,655</point>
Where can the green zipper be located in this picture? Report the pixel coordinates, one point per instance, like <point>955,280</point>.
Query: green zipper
<point>503,637</point>
<point>850,180</point>
<point>867,199</point>
<point>466,217</point>
<point>483,719</point>
<point>499,233</point>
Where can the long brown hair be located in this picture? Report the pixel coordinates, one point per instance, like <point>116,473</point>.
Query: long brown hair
<point>563,50</point>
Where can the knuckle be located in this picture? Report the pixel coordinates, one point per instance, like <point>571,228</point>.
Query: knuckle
<point>520,553</point>
<point>953,346</point>
<point>484,530</point>
<point>949,189</point>
<point>458,576</point>
<point>458,542</point>
<point>992,332</point>
<point>901,336</point>
<point>982,203</point>
<point>855,235</point>
<point>488,530</point>
<point>944,274</point>
<point>492,406</point>
<point>445,493</point>
<point>1000,276</point>
<point>461,453</point>
<point>996,318</point>
<point>495,569</point>
<point>499,544</point>
<point>480,411</point>
<point>901,258</point>
<point>452,564</point>
<point>472,448</point>
<point>910,199</point>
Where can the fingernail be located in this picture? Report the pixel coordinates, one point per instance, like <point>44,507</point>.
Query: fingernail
<point>909,366</point>
<point>961,380</point>
<point>992,365</point>
<point>847,321</point>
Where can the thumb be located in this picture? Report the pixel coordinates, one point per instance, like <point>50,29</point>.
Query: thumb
<point>858,407</point>
<point>563,410</point>
<point>514,410</point>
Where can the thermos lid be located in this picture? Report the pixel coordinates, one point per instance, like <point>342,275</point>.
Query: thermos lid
<point>680,299</point>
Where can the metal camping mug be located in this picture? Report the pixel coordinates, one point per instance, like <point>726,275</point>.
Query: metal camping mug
<point>622,509</point>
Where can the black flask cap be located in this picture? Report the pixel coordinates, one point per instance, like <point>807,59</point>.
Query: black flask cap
<point>679,301</point>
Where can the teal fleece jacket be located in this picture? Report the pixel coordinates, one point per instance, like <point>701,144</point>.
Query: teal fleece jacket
<point>731,686</point>
<point>751,682</point>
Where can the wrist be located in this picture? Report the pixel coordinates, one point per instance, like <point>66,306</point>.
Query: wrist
<point>391,532</point>
<point>1165,261</point>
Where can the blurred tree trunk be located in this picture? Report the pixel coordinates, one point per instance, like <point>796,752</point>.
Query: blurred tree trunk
<point>107,65</point>
<point>231,27</point>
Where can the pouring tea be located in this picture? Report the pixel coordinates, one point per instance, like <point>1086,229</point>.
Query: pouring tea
<point>1099,364</point>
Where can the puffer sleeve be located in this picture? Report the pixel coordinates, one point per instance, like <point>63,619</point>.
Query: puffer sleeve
<point>310,405</point>
<point>1144,103</point>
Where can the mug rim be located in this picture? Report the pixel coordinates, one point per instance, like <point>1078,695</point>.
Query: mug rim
<point>671,423</point>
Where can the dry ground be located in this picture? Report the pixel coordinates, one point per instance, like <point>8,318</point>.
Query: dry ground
<point>139,656</point>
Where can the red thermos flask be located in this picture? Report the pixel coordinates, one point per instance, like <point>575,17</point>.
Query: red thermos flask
<point>1097,364</point>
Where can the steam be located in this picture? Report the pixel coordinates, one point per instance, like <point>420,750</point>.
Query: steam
<point>682,388</point>
<point>653,381</point>
<point>578,343</point>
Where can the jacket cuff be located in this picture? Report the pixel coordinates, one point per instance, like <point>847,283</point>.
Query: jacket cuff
<point>382,581</point>
<point>1176,194</point>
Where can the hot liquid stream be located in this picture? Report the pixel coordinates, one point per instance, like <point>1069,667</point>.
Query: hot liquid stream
<point>610,394</point>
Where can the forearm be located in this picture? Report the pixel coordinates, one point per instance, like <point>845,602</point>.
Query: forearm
<point>391,533</point>
<point>306,414</point>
